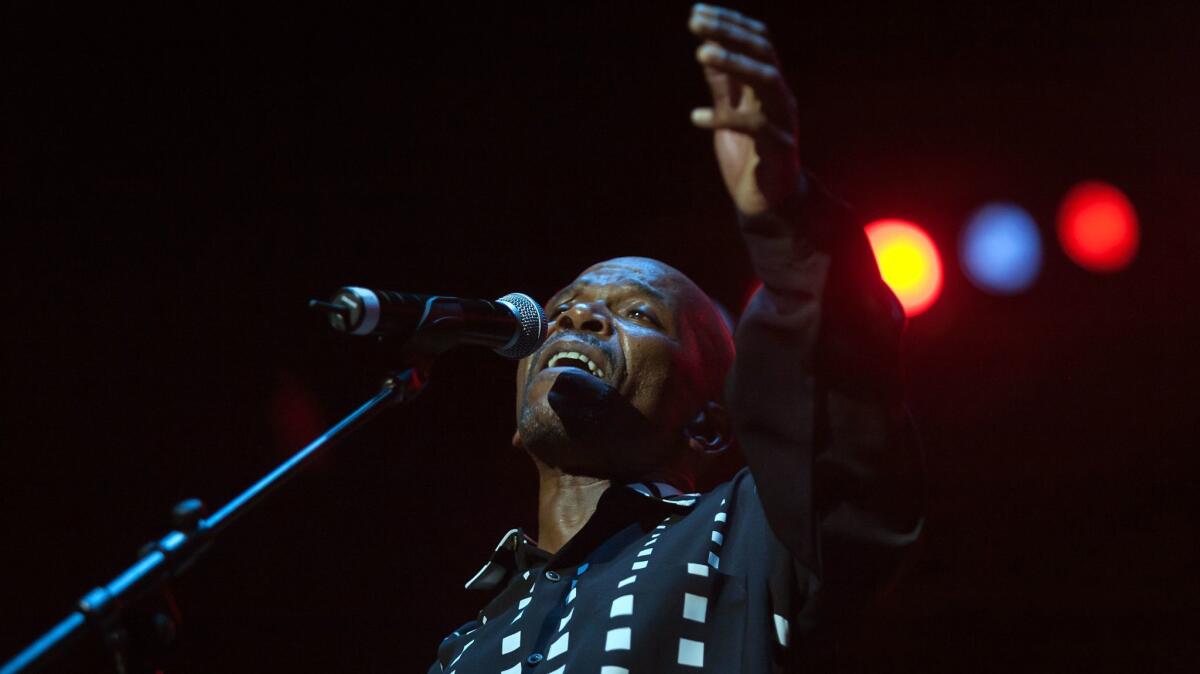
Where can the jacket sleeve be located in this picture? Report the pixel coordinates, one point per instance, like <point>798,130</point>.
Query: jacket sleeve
<point>816,400</point>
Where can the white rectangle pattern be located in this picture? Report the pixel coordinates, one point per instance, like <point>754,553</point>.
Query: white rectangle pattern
<point>781,630</point>
<point>559,646</point>
<point>510,643</point>
<point>694,607</point>
<point>622,605</point>
<point>618,639</point>
<point>691,653</point>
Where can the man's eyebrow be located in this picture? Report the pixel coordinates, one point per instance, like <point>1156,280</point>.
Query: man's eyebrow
<point>641,287</point>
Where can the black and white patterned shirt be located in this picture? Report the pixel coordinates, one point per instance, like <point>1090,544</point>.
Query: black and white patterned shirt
<point>681,583</point>
<point>760,574</point>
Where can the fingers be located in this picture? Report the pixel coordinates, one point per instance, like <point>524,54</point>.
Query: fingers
<point>729,16</point>
<point>731,36</point>
<point>731,76</point>
<point>752,71</point>
<point>736,49</point>
<point>749,122</point>
<point>743,74</point>
<point>748,118</point>
<point>705,118</point>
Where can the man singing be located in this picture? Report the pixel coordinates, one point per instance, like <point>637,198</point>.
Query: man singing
<point>636,387</point>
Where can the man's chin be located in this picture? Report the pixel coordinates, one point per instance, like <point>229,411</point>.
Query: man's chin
<point>545,438</point>
<point>577,423</point>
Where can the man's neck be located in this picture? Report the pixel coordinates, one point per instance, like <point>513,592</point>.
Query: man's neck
<point>565,503</point>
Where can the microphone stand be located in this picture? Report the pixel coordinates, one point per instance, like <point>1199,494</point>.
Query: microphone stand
<point>102,608</point>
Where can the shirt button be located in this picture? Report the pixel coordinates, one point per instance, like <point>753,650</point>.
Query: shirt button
<point>535,658</point>
<point>553,576</point>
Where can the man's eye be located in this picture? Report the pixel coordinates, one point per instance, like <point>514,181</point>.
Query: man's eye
<point>639,314</point>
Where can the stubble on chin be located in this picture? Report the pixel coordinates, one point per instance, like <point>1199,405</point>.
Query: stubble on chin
<point>543,434</point>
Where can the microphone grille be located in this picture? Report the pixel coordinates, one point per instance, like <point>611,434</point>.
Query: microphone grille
<point>533,325</point>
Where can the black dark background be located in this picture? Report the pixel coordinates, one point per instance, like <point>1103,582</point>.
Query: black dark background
<point>176,183</point>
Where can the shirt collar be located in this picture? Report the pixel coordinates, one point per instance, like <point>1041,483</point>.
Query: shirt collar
<point>517,552</point>
<point>654,489</point>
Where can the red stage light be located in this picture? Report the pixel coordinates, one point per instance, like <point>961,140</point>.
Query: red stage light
<point>908,261</point>
<point>1098,227</point>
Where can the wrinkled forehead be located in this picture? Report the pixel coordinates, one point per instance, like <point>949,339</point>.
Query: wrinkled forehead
<point>650,277</point>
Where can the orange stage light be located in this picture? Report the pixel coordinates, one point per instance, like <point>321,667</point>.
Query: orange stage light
<point>908,261</point>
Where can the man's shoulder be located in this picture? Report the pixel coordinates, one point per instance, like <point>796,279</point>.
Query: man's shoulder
<point>738,494</point>
<point>742,482</point>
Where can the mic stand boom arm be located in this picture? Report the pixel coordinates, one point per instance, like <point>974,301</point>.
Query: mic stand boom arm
<point>174,553</point>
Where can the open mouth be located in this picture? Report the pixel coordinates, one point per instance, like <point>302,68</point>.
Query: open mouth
<point>579,354</point>
<point>577,360</point>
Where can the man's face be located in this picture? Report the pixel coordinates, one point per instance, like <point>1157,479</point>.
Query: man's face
<point>619,374</point>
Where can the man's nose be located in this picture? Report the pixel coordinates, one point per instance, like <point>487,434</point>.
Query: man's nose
<point>585,316</point>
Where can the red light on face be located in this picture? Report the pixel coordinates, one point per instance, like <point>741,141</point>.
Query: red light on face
<point>908,262</point>
<point>1098,227</point>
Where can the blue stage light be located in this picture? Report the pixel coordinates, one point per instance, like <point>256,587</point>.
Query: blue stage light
<point>1000,249</point>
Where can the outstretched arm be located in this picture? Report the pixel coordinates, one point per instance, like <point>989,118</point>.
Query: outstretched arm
<point>753,113</point>
<point>815,391</point>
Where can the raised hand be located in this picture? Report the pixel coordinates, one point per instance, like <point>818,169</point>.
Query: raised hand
<point>753,114</point>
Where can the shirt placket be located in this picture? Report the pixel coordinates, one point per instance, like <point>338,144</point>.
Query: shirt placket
<point>548,646</point>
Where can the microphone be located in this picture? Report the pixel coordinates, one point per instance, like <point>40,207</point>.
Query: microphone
<point>513,326</point>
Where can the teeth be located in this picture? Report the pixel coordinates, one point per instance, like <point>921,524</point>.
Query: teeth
<point>592,367</point>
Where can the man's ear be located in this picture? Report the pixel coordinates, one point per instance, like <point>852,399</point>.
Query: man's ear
<point>710,432</point>
<point>516,441</point>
